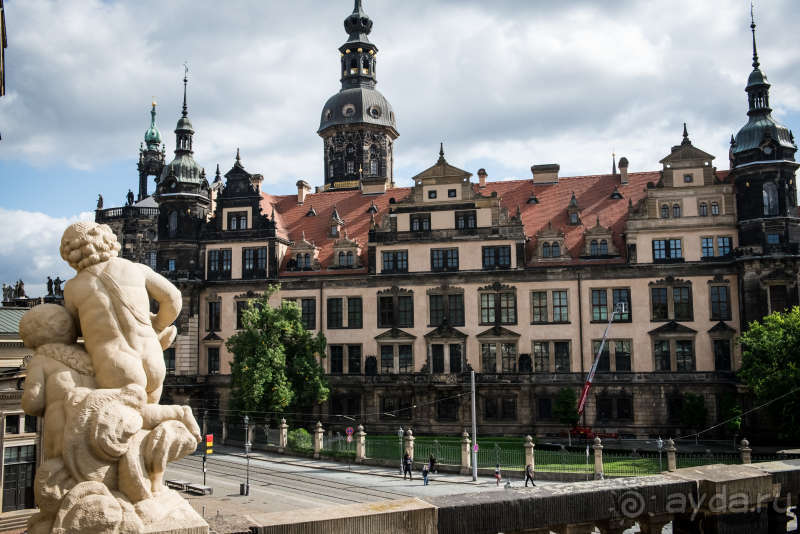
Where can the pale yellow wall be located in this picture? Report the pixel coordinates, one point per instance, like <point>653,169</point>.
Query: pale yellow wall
<point>470,254</point>
<point>225,212</point>
<point>484,217</point>
<point>697,177</point>
<point>441,192</point>
<point>691,244</point>
<point>236,255</point>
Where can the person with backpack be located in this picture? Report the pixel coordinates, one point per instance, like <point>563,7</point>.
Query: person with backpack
<point>425,471</point>
<point>407,461</point>
<point>529,475</point>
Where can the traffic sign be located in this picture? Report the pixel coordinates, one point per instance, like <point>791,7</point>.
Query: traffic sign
<point>475,448</point>
<point>349,431</point>
<point>349,439</point>
<point>209,443</point>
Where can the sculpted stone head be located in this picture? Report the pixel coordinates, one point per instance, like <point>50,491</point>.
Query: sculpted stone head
<point>87,243</point>
<point>47,323</point>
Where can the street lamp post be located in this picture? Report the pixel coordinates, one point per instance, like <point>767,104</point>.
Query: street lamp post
<point>660,444</point>
<point>400,440</point>
<point>245,489</point>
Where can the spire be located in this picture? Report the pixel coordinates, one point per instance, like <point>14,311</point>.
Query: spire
<point>753,29</point>
<point>217,176</point>
<point>613,164</point>
<point>185,83</point>
<point>238,157</point>
<point>358,24</point>
<point>686,140</point>
<point>152,137</point>
<point>441,154</point>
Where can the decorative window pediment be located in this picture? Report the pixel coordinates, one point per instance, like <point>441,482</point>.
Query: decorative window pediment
<point>671,281</point>
<point>395,334</point>
<point>573,211</point>
<point>395,291</point>
<point>445,289</point>
<point>346,253</point>
<point>445,331</point>
<point>550,244</point>
<point>303,255</point>
<point>672,328</point>
<point>497,286</point>
<point>497,332</point>
<point>598,241</point>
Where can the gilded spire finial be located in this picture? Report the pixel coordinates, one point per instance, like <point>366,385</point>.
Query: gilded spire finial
<point>185,82</point>
<point>753,29</point>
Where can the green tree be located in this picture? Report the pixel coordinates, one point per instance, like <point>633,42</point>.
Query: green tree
<point>729,408</point>
<point>565,408</point>
<point>274,359</point>
<point>771,368</point>
<point>693,411</point>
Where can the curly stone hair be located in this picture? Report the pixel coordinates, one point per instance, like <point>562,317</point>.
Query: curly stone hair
<point>86,243</point>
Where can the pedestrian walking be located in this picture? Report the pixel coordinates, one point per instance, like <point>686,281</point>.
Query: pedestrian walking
<point>497,474</point>
<point>432,462</point>
<point>529,475</point>
<point>407,461</point>
<point>425,471</point>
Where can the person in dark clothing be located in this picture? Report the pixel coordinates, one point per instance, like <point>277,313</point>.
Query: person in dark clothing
<point>425,471</point>
<point>432,462</point>
<point>407,461</point>
<point>529,475</point>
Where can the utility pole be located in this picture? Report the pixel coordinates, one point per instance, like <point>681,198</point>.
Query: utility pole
<point>474,430</point>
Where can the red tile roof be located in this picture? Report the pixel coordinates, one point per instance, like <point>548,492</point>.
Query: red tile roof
<point>592,193</point>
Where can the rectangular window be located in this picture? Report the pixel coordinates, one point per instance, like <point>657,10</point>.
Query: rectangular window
<point>509,409</point>
<point>171,265</point>
<point>659,249</point>
<point>421,222</point>
<point>541,357</point>
<point>337,359</point>
<point>508,356</point>
<point>387,359</point>
<point>604,364</point>
<point>447,409</point>
<point>488,308</point>
<point>720,304</point>
<point>436,309</point>
<point>237,220</point>
<point>622,355</point>
<point>444,259</point>
<point>213,360</point>
<point>684,355</point>
<point>451,193</point>
<point>241,306</point>
<point>658,296</point>
<point>497,257</point>
<point>724,246</point>
<point>225,264</point>
<point>406,358</point>
<point>675,249</point>
<point>455,358</point>
<point>308,313</point>
<point>545,408</point>
<point>722,354</point>
<point>682,303</point>
<point>707,245</point>
<point>432,193</point>
<point>466,220</point>
<point>560,307</point>
<point>508,308</point>
<point>490,408</point>
<point>604,408</point>
<point>385,312</point>
<point>455,312</point>
<point>661,355</point>
<point>254,263</point>
<point>213,316</point>
<point>12,424</point>
<point>335,315</point>
<point>30,424</point>
<point>437,358</point>
<point>599,305</point>
<point>488,357</point>
<point>152,260</point>
<point>539,307</point>
<point>622,296</point>
<point>169,360</point>
<point>395,261</point>
<point>354,359</point>
<point>248,262</point>
<point>355,313</point>
<point>561,356</point>
<point>773,239</point>
<point>405,312</point>
<point>778,298</point>
<point>625,408</point>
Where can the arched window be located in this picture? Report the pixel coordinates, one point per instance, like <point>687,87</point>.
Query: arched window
<point>350,259</point>
<point>307,261</point>
<point>714,208</point>
<point>353,66</point>
<point>665,211</point>
<point>556,250</point>
<point>703,209</point>
<point>299,261</point>
<point>676,210</point>
<point>342,258</point>
<point>770,199</point>
<point>593,248</point>
<point>546,250</point>
<point>173,223</point>
<point>365,65</point>
<point>373,160</point>
<point>603,247</point>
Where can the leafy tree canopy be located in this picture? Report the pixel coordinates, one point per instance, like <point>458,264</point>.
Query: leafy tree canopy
<point>565,408</point>
<point>771,367</point>
<point>275,359</point>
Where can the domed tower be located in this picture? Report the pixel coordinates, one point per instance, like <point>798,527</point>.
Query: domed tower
<point>183,196</point>
<point>357,124</point>
<point>151,155</point>
<point>763,166</point>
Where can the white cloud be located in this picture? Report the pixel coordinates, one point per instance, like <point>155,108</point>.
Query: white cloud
<point>29,243</point>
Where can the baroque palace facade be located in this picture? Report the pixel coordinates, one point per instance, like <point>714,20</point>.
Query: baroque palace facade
<point>415,286</point>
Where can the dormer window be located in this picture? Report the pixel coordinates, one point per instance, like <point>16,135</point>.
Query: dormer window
<point>556,248</point>
<point>546,250</point>
<point>573,218</point>
<point>466,220</point>
<point>334,230</point>
<point>237,220</point>
<point>420,222</point>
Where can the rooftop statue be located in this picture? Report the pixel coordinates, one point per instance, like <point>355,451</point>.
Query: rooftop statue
<point>107,441</point>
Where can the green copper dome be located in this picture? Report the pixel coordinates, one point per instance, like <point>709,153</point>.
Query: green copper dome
<point>152,137</point>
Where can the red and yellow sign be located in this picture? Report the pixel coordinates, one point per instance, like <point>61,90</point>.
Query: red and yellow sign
<point>209,443</point>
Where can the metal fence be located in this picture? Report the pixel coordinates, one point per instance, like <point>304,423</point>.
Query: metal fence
<point>445,453</point>
<point>508,457</point>
<point>337,445</point>
<point>564,461</point>
<point>698,459</point>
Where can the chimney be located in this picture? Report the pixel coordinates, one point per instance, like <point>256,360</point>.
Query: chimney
<point>482,178</point>
<point>302,190</point>
<point>256,180</point>
<point>545,174</point>
<point>623,170</point>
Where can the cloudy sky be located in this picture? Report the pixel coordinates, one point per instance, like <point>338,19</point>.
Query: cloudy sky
<point>505,84</point>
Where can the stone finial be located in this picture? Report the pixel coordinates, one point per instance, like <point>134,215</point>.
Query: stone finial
<point>283,421</point>
<point>597,442</point>
<point>360,428</point>
<point>745,444</point>
<point>409,432</point>
<point>319,425</point>
<point>670,444</point>
<point>464,435</point>
<point>528,440</point>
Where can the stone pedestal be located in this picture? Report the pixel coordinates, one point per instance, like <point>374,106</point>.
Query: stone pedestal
<point>466,453</point>
<point>598,458</point>
<point>361,444</point>
<point>672,461</point>
<point>745,451</point>
<point>283,437</point>
<point>319,433</point>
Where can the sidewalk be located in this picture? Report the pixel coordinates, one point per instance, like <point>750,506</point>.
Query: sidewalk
<point>329,465</point>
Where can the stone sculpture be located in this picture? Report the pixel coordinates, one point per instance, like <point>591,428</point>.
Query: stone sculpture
<point>49,287</point>
<point>107,441</point>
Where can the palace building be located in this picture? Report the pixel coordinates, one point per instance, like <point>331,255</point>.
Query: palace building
<point>517,280</point>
